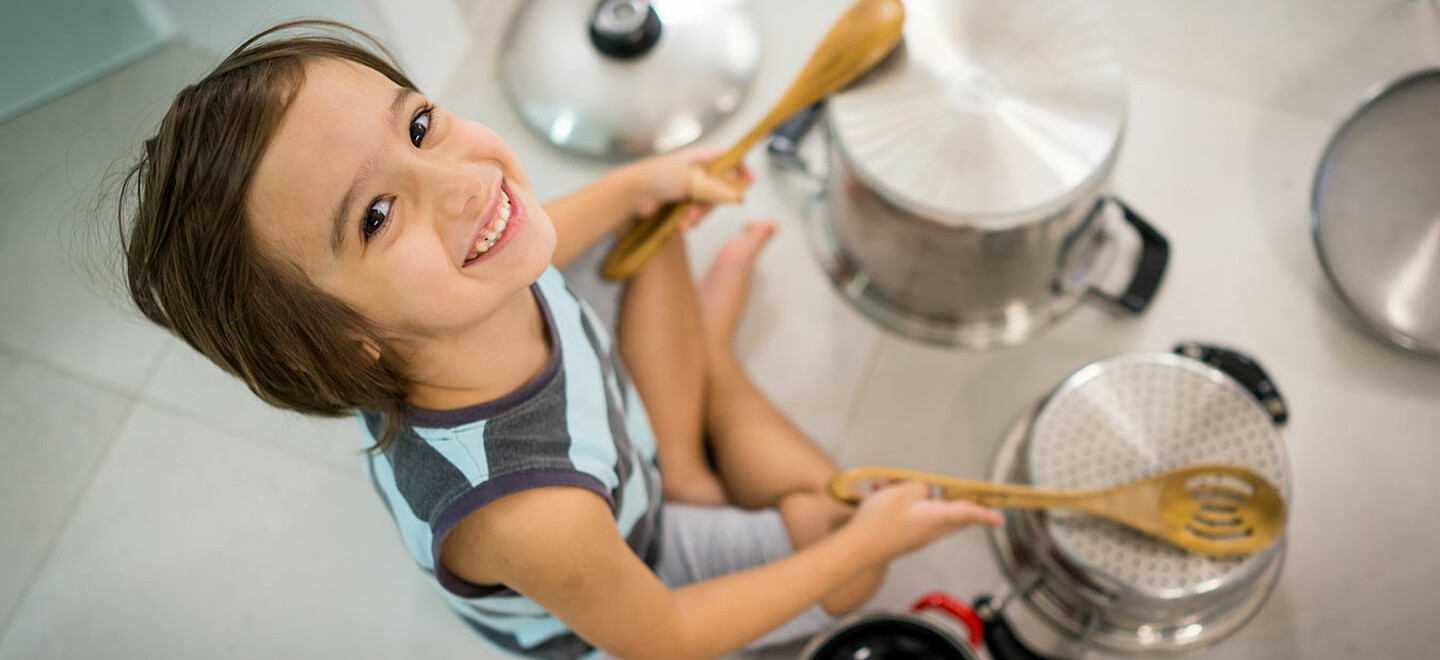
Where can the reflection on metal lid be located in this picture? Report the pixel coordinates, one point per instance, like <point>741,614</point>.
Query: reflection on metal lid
<point>1376,212</point>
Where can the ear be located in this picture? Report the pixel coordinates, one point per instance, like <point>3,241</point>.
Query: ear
<point>369,349</point>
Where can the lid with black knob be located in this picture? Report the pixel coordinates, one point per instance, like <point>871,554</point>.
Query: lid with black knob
<point>628,78</point>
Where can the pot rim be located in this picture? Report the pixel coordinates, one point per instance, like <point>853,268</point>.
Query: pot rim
<point>865,616</point>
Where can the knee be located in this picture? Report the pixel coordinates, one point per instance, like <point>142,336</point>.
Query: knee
<point>856,591</point>
<point>810,516</point>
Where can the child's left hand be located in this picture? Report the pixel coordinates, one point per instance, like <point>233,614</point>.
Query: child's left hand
<point>682,176</point>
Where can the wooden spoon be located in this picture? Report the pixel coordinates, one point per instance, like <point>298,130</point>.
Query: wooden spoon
<point>867,32</point>
<point>1217,510</point>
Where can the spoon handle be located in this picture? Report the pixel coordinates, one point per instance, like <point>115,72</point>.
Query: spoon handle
<point>863,36</point>
<point>850,485</point>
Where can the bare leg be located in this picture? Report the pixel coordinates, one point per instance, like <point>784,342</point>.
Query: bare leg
<point>810,517</point>
<point>764,460</point>
<point>761,455</point>
<point>661,342</point>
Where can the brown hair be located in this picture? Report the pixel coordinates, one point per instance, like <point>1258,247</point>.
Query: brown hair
<point>193,265</point>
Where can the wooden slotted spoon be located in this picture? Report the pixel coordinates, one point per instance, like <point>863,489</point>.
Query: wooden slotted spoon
<point>1216,510</point>
<point>863,36</point>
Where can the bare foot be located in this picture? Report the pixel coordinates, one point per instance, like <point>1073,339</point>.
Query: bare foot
<point>723,292</point>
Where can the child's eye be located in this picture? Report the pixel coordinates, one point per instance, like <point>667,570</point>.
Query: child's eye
<point>374,219</point>
<point>420,125</point>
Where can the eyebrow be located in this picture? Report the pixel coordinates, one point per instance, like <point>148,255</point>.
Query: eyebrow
<point>337,234</point>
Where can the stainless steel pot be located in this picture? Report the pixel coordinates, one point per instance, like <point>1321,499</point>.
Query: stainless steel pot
<point>965,200</point>
<point>885,635</point>
<point>1102,585</point>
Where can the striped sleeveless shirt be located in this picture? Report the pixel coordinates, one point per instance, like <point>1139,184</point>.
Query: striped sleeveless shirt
<point>580,423</point>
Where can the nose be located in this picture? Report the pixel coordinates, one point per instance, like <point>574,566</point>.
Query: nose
<point>446,188</point>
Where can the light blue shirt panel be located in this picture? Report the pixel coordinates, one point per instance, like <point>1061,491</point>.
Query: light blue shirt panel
<point>529,632</point>
<point>414,531</point>
<point>637,422</point>
<point>515,605</point>
<point>637,501</point>
<point>592,449</point>
<point>463,447</point>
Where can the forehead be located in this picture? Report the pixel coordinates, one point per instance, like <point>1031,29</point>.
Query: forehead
<point>335,121</point>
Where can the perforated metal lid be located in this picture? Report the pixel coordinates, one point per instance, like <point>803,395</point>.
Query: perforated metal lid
<point>988,111</point>
<point>1133,416</point>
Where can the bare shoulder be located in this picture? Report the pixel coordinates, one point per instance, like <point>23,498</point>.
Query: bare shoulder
<point>491,544</point>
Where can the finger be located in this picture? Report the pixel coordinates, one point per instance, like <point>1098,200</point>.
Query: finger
<point>707,189</point>
<point>745,174</point>
<point>700,155</point>
<point>693,214</point>
<point>970,513</point>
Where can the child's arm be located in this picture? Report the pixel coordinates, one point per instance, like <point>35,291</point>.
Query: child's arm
<point>632,192</point>
<point>560,548</point>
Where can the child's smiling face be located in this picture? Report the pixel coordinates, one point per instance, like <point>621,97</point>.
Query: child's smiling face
<point>385,202</point>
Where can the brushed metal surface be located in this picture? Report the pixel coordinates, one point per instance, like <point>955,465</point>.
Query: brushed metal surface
<point>989,113</point>
<point>1088,605</point>
<point>1376,212</point>
<point>589,103</point>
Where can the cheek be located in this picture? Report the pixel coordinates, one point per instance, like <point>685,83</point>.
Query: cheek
<point>487,145</point>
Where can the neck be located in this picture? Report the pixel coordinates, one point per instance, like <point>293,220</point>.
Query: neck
<point>482,364</point>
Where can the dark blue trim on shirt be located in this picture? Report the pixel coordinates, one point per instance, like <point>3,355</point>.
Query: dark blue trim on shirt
<point>428,418</point>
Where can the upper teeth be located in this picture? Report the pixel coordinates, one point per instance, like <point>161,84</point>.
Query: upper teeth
<point>488,239</point>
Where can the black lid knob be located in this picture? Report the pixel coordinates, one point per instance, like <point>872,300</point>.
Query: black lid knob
<point>624,29</point>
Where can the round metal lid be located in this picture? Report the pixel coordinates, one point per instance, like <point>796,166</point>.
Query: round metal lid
<point>1133,416</point>
<point>1376,212</point>
<point>628,78</point>
<point>987,109</point>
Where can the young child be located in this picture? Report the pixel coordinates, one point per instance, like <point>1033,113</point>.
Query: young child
<point>313,224</point>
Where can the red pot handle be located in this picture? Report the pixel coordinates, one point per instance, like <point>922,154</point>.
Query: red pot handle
<point>957,609</point>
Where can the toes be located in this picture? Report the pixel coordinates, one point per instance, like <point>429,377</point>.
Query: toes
<point>747,245</point>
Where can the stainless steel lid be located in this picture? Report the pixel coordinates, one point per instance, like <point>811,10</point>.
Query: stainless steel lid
<point>1133,416</point>
<point>627,78</point>
<point>1376,212</point>
<point>987,110</point>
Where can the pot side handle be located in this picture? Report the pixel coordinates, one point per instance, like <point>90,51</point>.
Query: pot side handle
<point>784,145</point>
<point>1246,371</point>
<point>1154,256</point>
<point>999,637</point>
<point>943,601</point>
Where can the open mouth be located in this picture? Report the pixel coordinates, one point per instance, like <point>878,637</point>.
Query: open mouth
<point>493,232</point>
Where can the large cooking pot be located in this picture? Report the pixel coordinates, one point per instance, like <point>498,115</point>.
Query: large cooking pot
<point>1102,585</point>
<point>920,634</point>
<point>965,201</point>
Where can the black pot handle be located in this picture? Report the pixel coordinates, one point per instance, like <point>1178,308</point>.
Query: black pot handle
<point>999,637</point>
<point>1244,370</point>
<point>784,145</point>
<point>1154,256</point>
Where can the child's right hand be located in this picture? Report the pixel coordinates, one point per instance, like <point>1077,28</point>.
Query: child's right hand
<point>901,518</point>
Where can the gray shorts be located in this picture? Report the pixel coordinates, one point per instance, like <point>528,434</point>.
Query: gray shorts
<point>699,543</point>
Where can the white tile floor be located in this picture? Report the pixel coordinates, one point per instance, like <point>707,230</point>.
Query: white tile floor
<point>153,509</point>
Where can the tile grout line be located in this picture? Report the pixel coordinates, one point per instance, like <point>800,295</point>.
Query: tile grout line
<point>238,436</point>
<point>872,363</point>
<point>82,376</point>
<point>64,527</point>
<point>139,395</point>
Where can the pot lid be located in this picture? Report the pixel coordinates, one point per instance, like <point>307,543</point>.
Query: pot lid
<point>987,109</point>
<point>627,78</point>
<point>1133,416</point>
<point>1376,212</point>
